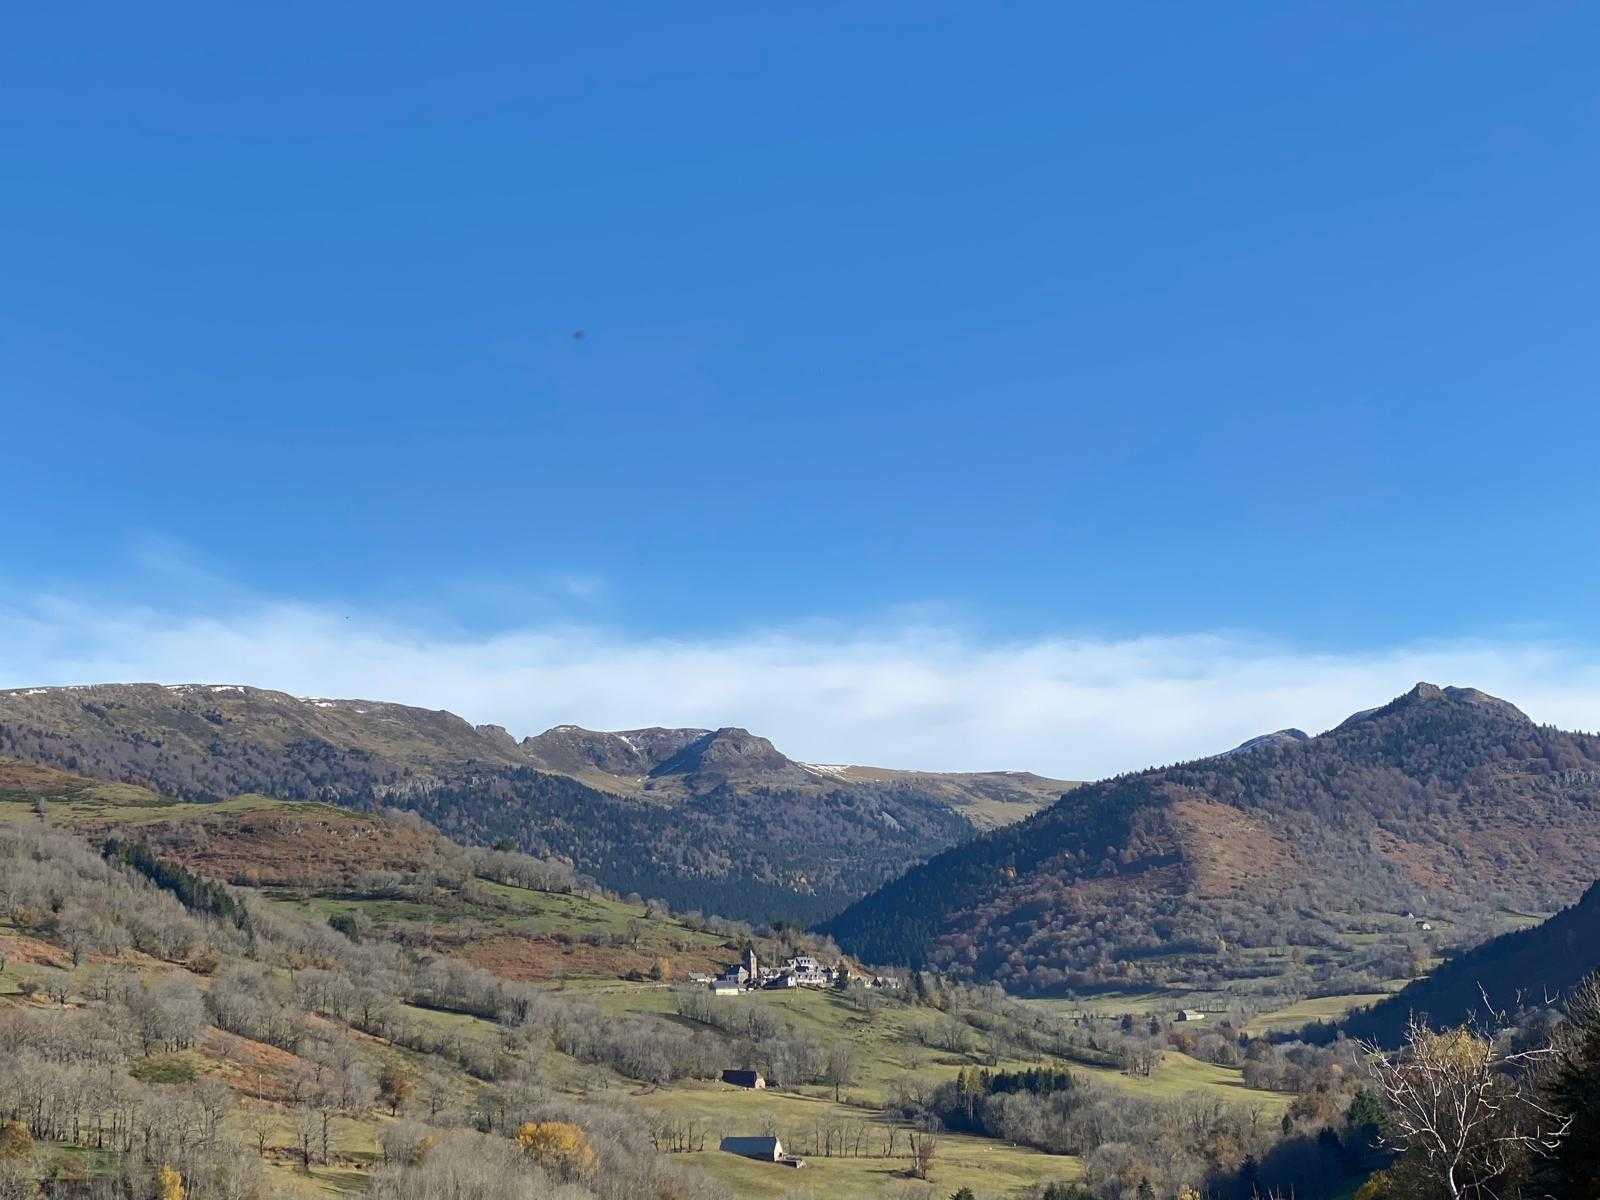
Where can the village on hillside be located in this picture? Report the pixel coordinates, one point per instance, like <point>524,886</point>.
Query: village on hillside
<point>800,970</point>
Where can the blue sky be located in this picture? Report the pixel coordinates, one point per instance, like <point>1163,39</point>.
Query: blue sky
<point>1271,323</point>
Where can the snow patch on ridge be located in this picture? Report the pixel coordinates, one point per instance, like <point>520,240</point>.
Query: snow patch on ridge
<point>829,770</point>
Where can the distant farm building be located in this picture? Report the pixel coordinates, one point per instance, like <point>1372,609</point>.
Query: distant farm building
<point>766,1149</point>
<point>744,1079</point>
<point>1191,1014</point>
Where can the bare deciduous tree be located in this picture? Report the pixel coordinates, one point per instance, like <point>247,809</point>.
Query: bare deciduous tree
<point>305,1122</point>
<point>258,1124</point>
<point>841,1069</point>
<point>1459,1109</point>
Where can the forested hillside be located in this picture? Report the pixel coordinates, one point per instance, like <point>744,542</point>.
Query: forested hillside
<point>1528,968</point>
<point>717,820</point>
<point>1314,861</point>
<point>667,764</point>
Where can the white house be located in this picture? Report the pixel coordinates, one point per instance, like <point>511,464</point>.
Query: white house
<point>808,972</point>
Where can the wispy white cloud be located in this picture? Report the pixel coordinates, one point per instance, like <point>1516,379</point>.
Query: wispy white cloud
<point>919,695</point>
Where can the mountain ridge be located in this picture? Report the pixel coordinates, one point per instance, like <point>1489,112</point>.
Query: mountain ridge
<point>1445,801</point>
<point>714,819</point>
<point>660,763</point>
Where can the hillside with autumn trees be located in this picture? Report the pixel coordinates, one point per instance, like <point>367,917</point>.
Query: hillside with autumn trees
<point>1332,863</point>
<point>718,820</point>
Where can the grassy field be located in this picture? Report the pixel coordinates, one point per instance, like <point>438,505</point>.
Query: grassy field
<point>120,803</point>
<point>1114,1004</point>
<point>1321,1008</point>
<point>545,913</point>
<point>886,1046</point>
<point>990,1167</point>
<point>1179,1075</point>
<point>515,910</point>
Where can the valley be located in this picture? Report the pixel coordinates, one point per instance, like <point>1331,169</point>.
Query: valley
<point>412,891</point>
<point>340,982</point>
<point>716,820</point>
<point>799,602</point>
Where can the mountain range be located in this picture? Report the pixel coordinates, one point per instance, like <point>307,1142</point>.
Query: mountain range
<point>1336,862</point>
<point>671,764</point>
<point>1333,862</point>
<point>718,820</point>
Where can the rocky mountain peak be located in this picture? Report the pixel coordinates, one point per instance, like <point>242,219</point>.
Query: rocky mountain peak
<point>727,753</point>
<point>1430,696</point>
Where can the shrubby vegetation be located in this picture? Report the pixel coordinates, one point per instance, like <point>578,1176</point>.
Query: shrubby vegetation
<point>764,1040</point>
<point>92,1075</point>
